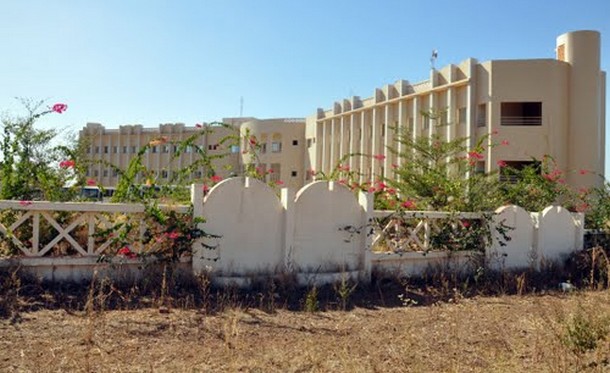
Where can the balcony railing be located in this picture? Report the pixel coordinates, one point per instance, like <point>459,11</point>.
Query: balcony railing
<point>520,121</point>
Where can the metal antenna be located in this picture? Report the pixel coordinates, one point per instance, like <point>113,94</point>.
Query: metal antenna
<point>433,58</point>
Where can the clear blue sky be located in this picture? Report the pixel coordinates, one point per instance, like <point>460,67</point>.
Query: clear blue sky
<point>151,61</point>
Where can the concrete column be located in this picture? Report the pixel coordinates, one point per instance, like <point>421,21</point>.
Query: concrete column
<point>287,199</point>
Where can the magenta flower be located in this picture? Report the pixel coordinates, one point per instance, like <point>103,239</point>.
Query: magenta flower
<point>505,142</point>
<point>583,172</point>
<point>67,164</point>
<point>126,252</point>
<point>408,204</point>
<point>280,182</point>
<point>501,163</point>
<point>172,235</point>
<point>59,108</point>
<point>216,178</point>
<point>25,203</point>
<point>91,182</point>
<point>205,188</point>
<point>379,157</point>
<point>475,155</point>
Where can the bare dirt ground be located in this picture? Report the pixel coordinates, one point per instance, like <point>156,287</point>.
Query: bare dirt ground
<point>480,334</point>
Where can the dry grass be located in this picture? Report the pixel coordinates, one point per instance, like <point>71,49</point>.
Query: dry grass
<point>480,334</point>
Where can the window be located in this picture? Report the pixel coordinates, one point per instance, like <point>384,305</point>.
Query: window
<point>276,147</point>
<point>234,149</point>
<point>97,149</point>
<point>521,114</point>
<point>198,174</point>
<point>293,173</point>
<point>509,173</point>
<point>479,167</point>
<point>213,147</point>
<point>134,149</point>
<point>188,149</point>
<point>124,149</point>
<point>105,149</point>
<point>382,129</point>
<point>295,142</point>
<point>164,174</point>
<point>115,173</point>
<point>426,121</point>
<point>482,115</point>
<point>166,148</point>
<point>462,115</point>
<point>105,173</point>
<point>115,149</point>
<point>154,149</point>
<point>88,173</point>
<point>96,173</point>
<point>274,172</point>
<point>264,148</point>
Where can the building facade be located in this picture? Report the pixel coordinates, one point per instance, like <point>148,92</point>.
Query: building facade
<point>538,107</point>
<point>280,155</point>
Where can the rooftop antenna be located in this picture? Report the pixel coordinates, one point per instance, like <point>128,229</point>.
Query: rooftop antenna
<point>433,58</point>
<point>241,106</point>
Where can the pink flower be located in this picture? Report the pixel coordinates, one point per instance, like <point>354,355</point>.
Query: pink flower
<point>312,172</point>
<point>379,157</point>
<point>199,125</point>
<point>126,252</point>
<point>475,155</point>
<point>280,182</point>
<point>59,108</point>
<point>343,182</point>
<point>394,166</point>
<point>494,132</point>
<point>505,142</point>
<point>408,204</point>
<point>172,235</point>
<point>216,179</point>
<point>583,172</point>
<point>391,191</point>
<point>25,203</point>
<point>91,182</point>
<point>205,188</point>
<point>501,163</point>
<point>465,223</point>
<point>252,140</point>
<point>371,190</point>
<point>270,171</point>
<point>67,164</point>
<point>582,207</point>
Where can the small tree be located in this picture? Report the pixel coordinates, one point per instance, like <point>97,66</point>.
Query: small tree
<point>27,170</point>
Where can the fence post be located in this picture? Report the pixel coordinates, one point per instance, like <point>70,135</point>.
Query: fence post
<point>579,219</point>
<point>287,197</point>
<point>366,202</point>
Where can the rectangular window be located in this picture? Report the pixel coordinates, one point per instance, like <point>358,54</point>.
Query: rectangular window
<point>154,149</point>
<point>134,149</point>
<point>479,167</point>
<point>274,172</point>
<point>166,148</point>
<point>510,171</point>
<point>188,149</point>
<point>105,149</point>
<point>309,143</point>
<point>97,150</point>
<point>482,115</point>
<point>115,149</point>
<point>521,114</point>
<point>264,148</point>
<point>276,147</point>
<point>96,173</point>
<point>295,142</point>
<point>213,147</point>
<point>124,150</point>
<point>115,173</point>
<point>462,115</point>
<point>234,149</point>
<point>105,173</point>
<point>293,173</point>
<point>164,174</point>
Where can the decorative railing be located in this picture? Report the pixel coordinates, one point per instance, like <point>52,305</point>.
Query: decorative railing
<point>67,228</point>
<point>520,121</point>
<point>416,231</point>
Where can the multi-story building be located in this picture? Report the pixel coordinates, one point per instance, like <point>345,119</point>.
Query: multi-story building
<point>538,107</point>
<point>280,153</point>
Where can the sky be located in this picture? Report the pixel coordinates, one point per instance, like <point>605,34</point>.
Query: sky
<point>147,62</point>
